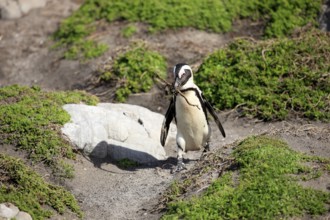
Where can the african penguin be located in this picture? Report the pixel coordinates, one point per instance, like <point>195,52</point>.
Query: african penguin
<point>189,109</point>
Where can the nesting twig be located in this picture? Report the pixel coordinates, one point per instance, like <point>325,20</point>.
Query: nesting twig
<point>178,91</point>
<point>175,90</point>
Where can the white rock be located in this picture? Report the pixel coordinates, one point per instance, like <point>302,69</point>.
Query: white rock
<point>116,130</point>
<point>27,5</point>
<point>9,9</point>
<point>23,216</point>
<point>8,210</point>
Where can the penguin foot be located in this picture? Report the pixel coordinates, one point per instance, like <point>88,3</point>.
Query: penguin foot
<point>180,166</point>
<point>206,151</point>
<point>206,147</point>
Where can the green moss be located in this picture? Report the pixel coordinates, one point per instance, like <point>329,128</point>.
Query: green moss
<point>30,119</point>
<point>280,16</point>
<point>135,71</point>
<point>267,186</point>
<point>26,189</point>
<point>271,79</point>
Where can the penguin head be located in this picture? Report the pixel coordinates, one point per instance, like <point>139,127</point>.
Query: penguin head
<point>183,76</point>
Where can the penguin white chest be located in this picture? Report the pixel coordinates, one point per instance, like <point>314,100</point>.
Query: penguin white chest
<point>192,125</point>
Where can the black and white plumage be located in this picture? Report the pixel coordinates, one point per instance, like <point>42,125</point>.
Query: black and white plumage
<point>189,109</point>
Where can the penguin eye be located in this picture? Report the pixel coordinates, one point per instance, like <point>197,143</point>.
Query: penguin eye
<point>183,74</point>
<point>187,72</point>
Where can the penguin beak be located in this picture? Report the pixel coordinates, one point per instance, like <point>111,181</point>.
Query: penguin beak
<point>177,83</point>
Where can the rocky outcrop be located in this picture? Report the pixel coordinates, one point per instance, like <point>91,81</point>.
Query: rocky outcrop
<point>10,211</point>
<point>11,9</point>
<point>116,130</point>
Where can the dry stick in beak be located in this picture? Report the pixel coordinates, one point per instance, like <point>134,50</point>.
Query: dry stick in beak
<point>176,90</point>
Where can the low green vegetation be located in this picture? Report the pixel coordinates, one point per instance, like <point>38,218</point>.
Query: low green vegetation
<point>29,192</point>
<point>281,17</point>
<point>271,79</point>
<point>135,71</point>
<point>265,186</point>
<point>85,49</point>
<point>30,119</point>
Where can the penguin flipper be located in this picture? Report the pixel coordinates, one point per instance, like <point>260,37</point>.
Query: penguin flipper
<point>214,115</point>
<point>167,121</point>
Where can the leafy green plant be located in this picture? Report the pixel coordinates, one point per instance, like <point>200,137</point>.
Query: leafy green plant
<point>280,16</point>
<point>135,71</point>
<point>30,119</point>
<point>266,188</point>
<point>26,189</point>
<point>271,79</point>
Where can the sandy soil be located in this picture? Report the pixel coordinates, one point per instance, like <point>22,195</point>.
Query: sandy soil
<point>105,191</point>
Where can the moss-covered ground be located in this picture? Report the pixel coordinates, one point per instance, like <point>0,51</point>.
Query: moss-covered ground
<point>271,79</point>
<point>265,186</point>
<point>26,189</point>
<point>281,17</point>
<point>30,120</point>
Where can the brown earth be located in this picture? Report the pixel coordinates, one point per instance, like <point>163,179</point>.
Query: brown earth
<point>103,190</point>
